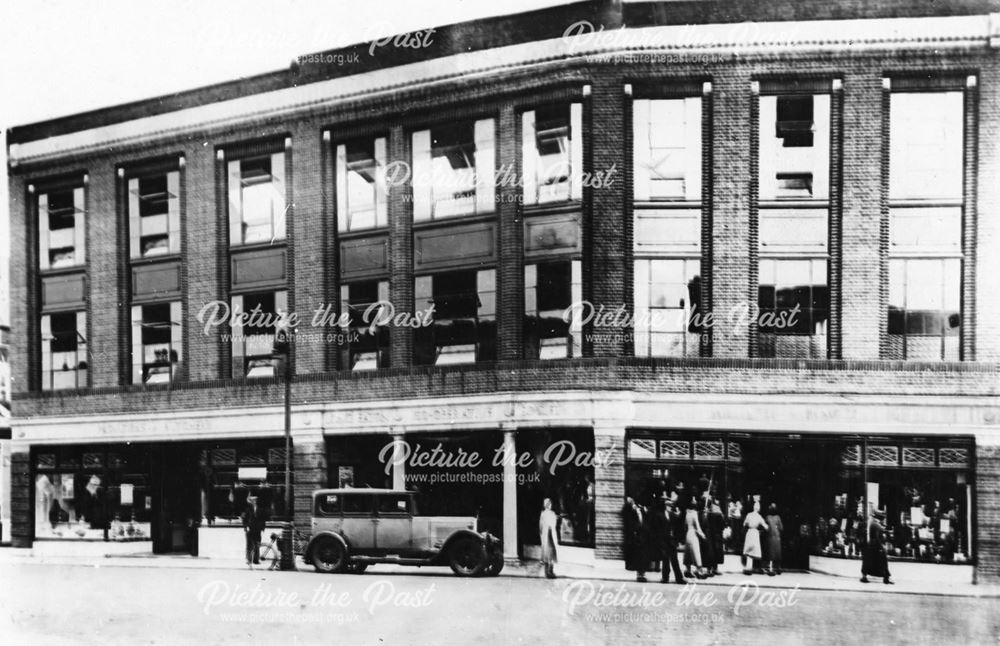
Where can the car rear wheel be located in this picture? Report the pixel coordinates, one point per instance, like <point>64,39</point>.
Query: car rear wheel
<point>329,555</point>
<point>467,557</point>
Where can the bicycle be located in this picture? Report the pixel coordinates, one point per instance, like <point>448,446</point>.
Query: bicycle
<point>271,551</point>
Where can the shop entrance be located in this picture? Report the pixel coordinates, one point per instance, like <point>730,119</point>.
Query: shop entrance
<point>176,506</point>
<point>794,475</point>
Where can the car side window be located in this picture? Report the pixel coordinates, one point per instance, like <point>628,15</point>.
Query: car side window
<point>393,504</point>
<point>358,505</point>
<point>329,504</point>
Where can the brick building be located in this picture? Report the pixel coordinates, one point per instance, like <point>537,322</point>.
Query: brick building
<point>780,218</point>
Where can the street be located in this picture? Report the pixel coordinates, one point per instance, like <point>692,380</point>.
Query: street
<point>63,605</point>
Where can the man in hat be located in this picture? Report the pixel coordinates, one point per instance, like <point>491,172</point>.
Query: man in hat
<point>875,561</point>
<point>253,524</point>
<point>663,518</point>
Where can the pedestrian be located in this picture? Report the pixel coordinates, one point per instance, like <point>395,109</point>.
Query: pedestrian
<point>663,543</point>
<point>705,540</point>
<point>547,523</point>
<point>715,528</point>
<point>253,524</point>
<point>692,537</point>
<point>636,539</point>
<point>874,561</point>
<point>752,524</point>
<point>774,529</point>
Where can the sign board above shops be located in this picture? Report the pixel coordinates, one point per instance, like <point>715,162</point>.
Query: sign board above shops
<point>252,473</point>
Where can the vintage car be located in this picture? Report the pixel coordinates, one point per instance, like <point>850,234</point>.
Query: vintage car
<point>353,528</point>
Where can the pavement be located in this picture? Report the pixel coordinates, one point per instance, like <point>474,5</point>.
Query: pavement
<point>138,555</point>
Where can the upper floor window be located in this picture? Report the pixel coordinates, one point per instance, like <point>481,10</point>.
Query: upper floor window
<point>926,171</point>
<point>361,186</point>
<point>667,298</point>
<point>64,350</point>
<point>257,199</point>
<point>154,215</point>
<point>794,161</point>
<point>256,319</point>
<point>156,342</point>
<point>61,229</point>
<point>453,170</point>
<point>368,347</point>
<point>926,145</point>
<point>552,153</point>
<point>667,149</point>
<point>550,288</point>
<point>464,321</point>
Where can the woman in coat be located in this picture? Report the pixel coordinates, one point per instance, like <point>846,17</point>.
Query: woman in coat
<point>753,523</point>
<point>636,538</point>
<point>708,556</point>
<point>774,529</point>
<point>716,525</point>
<point>692,536</point>
<point>547,523</point>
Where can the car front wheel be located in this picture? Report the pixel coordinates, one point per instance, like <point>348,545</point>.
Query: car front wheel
<point>329,555</point>
<point>467,557</point>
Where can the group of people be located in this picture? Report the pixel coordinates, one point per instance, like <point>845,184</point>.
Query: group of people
<point>697,525</point>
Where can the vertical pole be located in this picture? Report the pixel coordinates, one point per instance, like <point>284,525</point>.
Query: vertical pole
<point>288,529</point>
<point>510,495</point>
<point>398,463</point>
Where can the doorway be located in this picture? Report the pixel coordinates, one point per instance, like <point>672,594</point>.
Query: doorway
<point>176,501</point>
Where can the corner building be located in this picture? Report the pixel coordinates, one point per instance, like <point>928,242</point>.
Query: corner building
<point>783,219</point>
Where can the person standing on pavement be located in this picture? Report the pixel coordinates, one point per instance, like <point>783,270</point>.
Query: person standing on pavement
<point>692,540</point>
<point>663,542</point>
<point>547,523</point>
<point>774,529</point>
<point>753,523</point>
<point>875,560</point>
<point>253,524</point>
<point>636,539</point>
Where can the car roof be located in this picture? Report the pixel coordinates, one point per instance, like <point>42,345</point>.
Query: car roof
<point>359,491</point>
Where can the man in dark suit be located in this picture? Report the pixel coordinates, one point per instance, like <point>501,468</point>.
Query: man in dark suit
<point>875,561</point>
<point>662,519</point>
<point>253,524</point>
<point>636,547</point>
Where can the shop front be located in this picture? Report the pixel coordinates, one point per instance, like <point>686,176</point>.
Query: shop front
<point>153,493</point>
<point>823,487</point>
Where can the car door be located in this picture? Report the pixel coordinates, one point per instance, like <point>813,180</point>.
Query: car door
<point>393,532</point>
<point>358,526</point>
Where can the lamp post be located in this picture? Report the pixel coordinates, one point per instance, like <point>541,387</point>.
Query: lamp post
<point>282,349</point>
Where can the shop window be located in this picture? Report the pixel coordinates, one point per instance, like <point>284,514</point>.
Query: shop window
<point>154,215</point>
<point>360,302</point>
<point>464,321</point>
<point>924,308</point>
<point>61,229</point>
<point>156,342</point>
<point>674,449</point>
<point>549,290</point>
<point>794,138</point>
<point>552,149</point>
<point>794,303</point>
<point>641,449</point>
<point>712,450</point>
<point>361,184</point>
<point>225,482</point>
<point>667,297</point>
<point>64,350</point>
<point>667,149</point>
<point>255,321</point>
<point>453,170</point>
<point>257,199</point>
<point>927,504</point>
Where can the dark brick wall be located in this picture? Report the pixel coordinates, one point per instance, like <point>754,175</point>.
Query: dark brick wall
<point>310,473</point>
<point>609,496</point>
<point>988,519</point>
<point>22,510</point>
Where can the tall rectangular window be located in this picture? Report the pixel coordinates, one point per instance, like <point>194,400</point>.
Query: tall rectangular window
<point>667,226</point>
<point>154,216</point>
<point>255,321</point>
<point>257,199</point>
<point>926,151</point>
<point>61,229</point>
<point>464,320</point>
<point>156,342</point>
<point>453,170</point>
<point>552,153</point>
<point>793,226</point>
<point>360,301</point>
<point>361,185</point>
<point>667,149</point>
<point>549,290</point>
<point>64,350</point>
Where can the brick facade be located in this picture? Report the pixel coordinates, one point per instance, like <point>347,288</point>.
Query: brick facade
<point>858,237</point>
